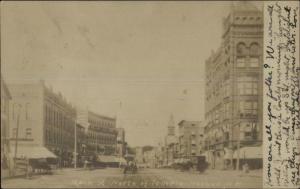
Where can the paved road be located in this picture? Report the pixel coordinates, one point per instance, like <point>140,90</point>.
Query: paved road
<point>154,178</point>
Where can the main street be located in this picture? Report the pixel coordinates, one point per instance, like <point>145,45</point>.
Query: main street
<point>154,178</point>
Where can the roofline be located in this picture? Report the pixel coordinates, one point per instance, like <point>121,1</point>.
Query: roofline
<point>102,116</point>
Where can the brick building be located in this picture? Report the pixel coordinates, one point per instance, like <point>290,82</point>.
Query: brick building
<point>46,120</point>
<point>188,138</point>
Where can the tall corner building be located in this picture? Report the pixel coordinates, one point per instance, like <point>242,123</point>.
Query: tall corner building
<point>233,92</point>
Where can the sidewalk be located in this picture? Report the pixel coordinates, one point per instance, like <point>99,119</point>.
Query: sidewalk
<point>234,173</point>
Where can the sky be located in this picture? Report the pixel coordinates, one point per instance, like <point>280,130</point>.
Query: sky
<point>139,61</point>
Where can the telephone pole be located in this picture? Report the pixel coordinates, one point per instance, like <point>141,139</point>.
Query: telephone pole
<point>17,133</point>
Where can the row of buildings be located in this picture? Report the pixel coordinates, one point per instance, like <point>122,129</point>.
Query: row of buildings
<point>231,133</point>
<point>186,144</point>
<point>36,119</point>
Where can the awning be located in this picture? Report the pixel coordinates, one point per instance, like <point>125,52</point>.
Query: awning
<point>120,160</point>
<point>254,152</point>
<point>32,152</point>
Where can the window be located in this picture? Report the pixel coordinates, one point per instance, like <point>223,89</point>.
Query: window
<point>227,110</point>
<point>254,62</point>
<point>247,85</point>
<point>27,107</point>
<point>14,110</point>
<point>14,135</point>
<point>254,49</point>
<point>241,62</point>
<point>248,108</point>
<point>227,89</point>
<point>28,133</point>
<point>51,116</point>
<point>241,49</point>
<point>248,134</point>
<point>3,105</point>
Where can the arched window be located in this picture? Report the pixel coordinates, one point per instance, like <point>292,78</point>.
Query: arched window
<point>27,106</point>
<point>241,49</point>
<point>254,49</point>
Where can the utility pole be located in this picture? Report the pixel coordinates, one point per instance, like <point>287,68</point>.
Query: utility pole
<point>17,134</point>
<point>75,145</point>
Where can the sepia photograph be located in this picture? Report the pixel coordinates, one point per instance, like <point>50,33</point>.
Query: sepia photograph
<point>132,94</point>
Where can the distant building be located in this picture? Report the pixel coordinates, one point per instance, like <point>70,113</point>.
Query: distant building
<point>233,91</point>
<point>5,98</point>
<point>188,138</point>
<point>139,155</point>
<point>101,132</point>
<point>46,120</point>
<point>159,155</point>
<point>150,158</point>
<point>121,143</point>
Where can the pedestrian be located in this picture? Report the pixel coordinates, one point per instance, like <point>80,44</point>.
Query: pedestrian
<point>85,164</point>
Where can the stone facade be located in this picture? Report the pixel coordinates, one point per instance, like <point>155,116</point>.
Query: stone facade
<point>233,92</point>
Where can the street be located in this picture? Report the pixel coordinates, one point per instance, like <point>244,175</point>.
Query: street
<point>152,178</point>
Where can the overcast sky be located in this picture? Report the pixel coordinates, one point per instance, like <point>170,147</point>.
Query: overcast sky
<point>139,61</point>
